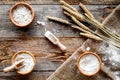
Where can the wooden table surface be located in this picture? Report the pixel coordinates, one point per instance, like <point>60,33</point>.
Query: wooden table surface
<point>13,39</point>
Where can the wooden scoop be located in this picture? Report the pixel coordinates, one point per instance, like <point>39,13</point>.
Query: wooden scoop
<point>13,66</point>
<point>55,40</point>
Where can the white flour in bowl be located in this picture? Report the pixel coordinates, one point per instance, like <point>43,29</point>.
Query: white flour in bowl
<point>22,15</point>
<point>89,64</point>
<point>28,62</point>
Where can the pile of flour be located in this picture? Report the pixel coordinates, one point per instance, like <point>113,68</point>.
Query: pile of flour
<point>89,64</point>
<point>28,62</point>
<point>22,15</point>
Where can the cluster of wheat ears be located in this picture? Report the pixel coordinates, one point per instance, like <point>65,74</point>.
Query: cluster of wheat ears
<point>85,16</point>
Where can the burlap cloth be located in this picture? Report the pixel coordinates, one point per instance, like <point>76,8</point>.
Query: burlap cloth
<point>109,54</point>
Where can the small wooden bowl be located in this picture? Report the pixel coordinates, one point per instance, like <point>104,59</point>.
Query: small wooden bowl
<point>86,53</point>
<point>14,7</point>
<point>26,52</point>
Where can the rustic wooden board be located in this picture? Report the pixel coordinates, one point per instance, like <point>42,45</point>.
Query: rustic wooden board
<point>7,29</point>
<point>13,39</point>
<point>110,56</point>
<point>41,48</point>
<point>57,1</point>
<point>33,76</point>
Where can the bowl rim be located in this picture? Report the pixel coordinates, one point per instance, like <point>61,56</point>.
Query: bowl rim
<point>86,53</point>
<point>26,5</point>
<point>26,52</point>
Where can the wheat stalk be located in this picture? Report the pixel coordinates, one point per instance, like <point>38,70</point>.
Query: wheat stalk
<point>77,17</point>
<point>67,5</point>
<point>58,20</point>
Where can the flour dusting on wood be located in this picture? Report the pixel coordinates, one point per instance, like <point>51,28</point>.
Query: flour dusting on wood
<point>88,48</point>
<point>112,54</point>
<point>42,23</point>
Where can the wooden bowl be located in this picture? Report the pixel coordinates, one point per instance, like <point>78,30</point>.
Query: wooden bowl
<point>86,53</point>
<point>22,52</point>
<point>14,7</point>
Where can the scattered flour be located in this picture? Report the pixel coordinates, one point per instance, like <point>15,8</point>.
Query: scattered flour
<point>89,64</point>
<point>54,30</point>
<point>45,29</point>
<point>42,23</point>
<point>28,62</point>
<point>22,15</point>
<point>117,78</point>
<point>112,51</point>
<point>88,48</point>
<point>117,75</point>
<point>112,54</point>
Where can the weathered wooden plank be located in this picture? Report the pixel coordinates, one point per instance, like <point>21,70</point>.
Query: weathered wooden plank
<point>57,1</point>
<point>40,47</point>
<point>69,71</point>
<point>8,30</point>
<point>32,76</point>
<point>41,65</point>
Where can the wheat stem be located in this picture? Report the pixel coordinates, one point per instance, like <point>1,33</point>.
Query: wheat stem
<point>91,36</point>
<point>77,15</point>
<point>86,10</point>
<point>58,20</point>
<point>77,22</point>
<point>67,5</point>
<point>77,27</point>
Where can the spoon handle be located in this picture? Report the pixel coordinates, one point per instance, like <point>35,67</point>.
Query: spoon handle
<point>7,69</point>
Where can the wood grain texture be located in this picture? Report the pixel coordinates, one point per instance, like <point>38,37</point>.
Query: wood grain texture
<point>69,71</point>
<point>57,1</point>
<point>33,76</point>
<point>13,39</point>
<point>41,49</point>
<point>7,29</point>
